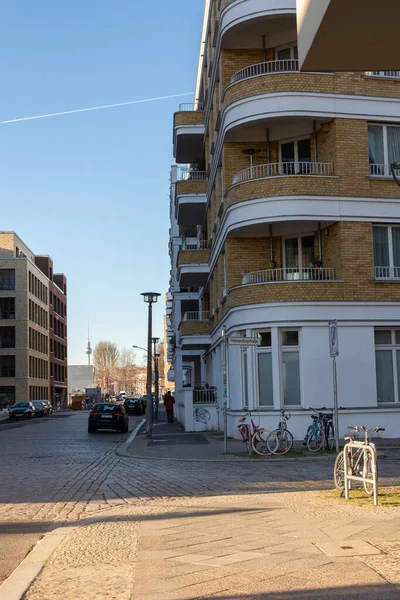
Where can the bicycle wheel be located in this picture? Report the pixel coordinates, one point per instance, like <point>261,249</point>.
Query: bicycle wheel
<point>338,471</point>
<point>367,472</point>
<point>259,442</point>
<point>316,439</point>
<point>279,442</point>
<point>330,437</point>
<point>309,430</point>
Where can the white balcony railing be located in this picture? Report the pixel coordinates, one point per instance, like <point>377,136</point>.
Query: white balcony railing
<point>194,244</point>
<point>198,106</point>
<point>384,74</point>
<point>283,169</point>
<point>380,170</point>
<point>190,175</point>
<point>204,396</point>
<point>195,315</point>
<point>289,274</point>
<point>387,273</point>
<point>266,68</point>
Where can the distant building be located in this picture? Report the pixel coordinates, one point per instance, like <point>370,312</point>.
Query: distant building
<point>25,322</point>
<point>80,377</point>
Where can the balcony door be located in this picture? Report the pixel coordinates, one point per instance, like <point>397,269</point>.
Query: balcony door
<point>299,256</point>
<point>295,157</point>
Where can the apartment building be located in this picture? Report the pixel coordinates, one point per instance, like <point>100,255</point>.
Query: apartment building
<point>284,216</point>
<point>57,330</point>
<point>25,334</point>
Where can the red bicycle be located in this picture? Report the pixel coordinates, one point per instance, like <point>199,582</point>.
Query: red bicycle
<point>253,434</point>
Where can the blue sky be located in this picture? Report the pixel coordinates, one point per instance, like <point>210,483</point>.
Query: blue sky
<point>91,189</point>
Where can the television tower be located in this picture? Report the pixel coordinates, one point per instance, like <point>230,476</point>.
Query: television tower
<point>88,350</point>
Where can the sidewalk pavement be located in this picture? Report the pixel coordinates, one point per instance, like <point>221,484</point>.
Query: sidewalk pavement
<point>4,414</point>
<point>288,546</point>
<point>170,441</point>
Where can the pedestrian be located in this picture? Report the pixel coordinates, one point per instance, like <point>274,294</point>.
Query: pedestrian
<point>169,402</point>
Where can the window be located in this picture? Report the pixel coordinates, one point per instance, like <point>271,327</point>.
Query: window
<point>384,148</point>
<point>7,394</point>
<point>7,308</point>
<point>264,365</point>
<point>299,258</point>
<point>7,337</point>
<point>387,359</point>
<point>295,157</point>
<point>386,240</point>
<point>7,279</point>
<point>7,366</point>
<point>287,53</point>
<point>290,367</point>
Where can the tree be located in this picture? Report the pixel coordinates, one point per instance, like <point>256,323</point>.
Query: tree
<point>105,360</point>
<point>127,369</point>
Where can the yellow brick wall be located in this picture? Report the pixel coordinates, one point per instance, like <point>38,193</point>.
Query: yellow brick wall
<point>193,117</point>
<point>190,187</point>
<point>194,328</point>
<point>193,257</point>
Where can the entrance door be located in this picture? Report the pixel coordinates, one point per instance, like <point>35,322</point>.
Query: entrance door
<point>299,257</point>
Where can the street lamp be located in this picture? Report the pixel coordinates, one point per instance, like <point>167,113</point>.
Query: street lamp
<point>395,167</point>
<point>149,298</point>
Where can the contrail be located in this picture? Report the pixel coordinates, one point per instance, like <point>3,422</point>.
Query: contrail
<point>79,110</point>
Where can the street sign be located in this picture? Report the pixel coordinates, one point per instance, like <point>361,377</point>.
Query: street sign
<point>333,339</point>
<point>244,341</point>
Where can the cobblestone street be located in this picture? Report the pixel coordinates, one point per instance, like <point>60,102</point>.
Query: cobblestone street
<point>54,472</point>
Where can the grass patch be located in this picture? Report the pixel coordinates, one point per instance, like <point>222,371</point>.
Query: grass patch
<point>387,496</point>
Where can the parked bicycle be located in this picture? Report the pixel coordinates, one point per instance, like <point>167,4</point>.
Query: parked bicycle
<point>360,463</point>
<point>321,432</point>
<point>280,441</point>
<point>253,435</point>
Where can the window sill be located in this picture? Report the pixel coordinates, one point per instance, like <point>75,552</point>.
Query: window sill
<point>381,178</point>
<point>385,280</point>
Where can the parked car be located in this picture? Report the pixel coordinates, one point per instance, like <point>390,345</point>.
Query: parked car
<point>133,406</point>
<point>107,415</point>
<point>48,408</point>
<point>21,410</point>
<point>40,409</point>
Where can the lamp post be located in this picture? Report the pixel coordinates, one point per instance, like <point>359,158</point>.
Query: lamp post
<point>395,167</point>
<point>155,341</point>
<point>150,298</point>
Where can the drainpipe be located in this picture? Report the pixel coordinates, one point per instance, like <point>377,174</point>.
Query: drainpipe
<point>268,145</point>
<point>319,241</point>
<point>315,141</point>
<point>271,249</point>
<point>264,45</point>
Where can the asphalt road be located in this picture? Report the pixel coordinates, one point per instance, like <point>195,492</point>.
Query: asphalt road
<point>39,460</point>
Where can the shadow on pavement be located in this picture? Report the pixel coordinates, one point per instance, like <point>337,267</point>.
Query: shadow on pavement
<point>367,592</point>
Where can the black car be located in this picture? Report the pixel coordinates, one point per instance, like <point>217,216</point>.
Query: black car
<point>22,410</point>
<point>40,408</point>
<point>107,415</point>
<point>48,409</point>
<point>133,406</point>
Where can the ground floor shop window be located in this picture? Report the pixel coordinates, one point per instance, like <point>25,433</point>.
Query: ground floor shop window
<point>290,367</point>
<point>387,359</point>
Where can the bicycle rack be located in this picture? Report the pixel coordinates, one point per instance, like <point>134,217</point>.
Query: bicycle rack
<point>349,478</point>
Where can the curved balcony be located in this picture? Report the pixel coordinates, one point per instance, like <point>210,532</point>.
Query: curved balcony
<point>247,14</point>
<point>283,179</point>
<point>289,274</point>
<point>287,291</point>
<point>188,133</point>
<point>193,267</point>
<point>190,197</point>
<point>197,326</point>
<point>276,76</point>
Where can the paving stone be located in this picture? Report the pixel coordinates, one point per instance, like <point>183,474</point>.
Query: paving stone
<point>348,548</point>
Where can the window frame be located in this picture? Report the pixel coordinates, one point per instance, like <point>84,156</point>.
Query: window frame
<point>386,172</point>
<point>286,349</point>
<point>394,348</point>
<point>290,46</point>
<point>264,350</point>
<point>392,268</point>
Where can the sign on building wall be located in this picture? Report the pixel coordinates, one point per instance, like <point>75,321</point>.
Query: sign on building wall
<point>244,341</point>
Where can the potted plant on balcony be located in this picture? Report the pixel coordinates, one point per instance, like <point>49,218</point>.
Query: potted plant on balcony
<point>272,264</point>
<point>318,262</point>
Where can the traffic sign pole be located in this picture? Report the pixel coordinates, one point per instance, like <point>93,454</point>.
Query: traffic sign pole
<point>334,352</point>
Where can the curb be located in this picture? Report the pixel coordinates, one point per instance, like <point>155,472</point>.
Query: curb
<point>15,586</point>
